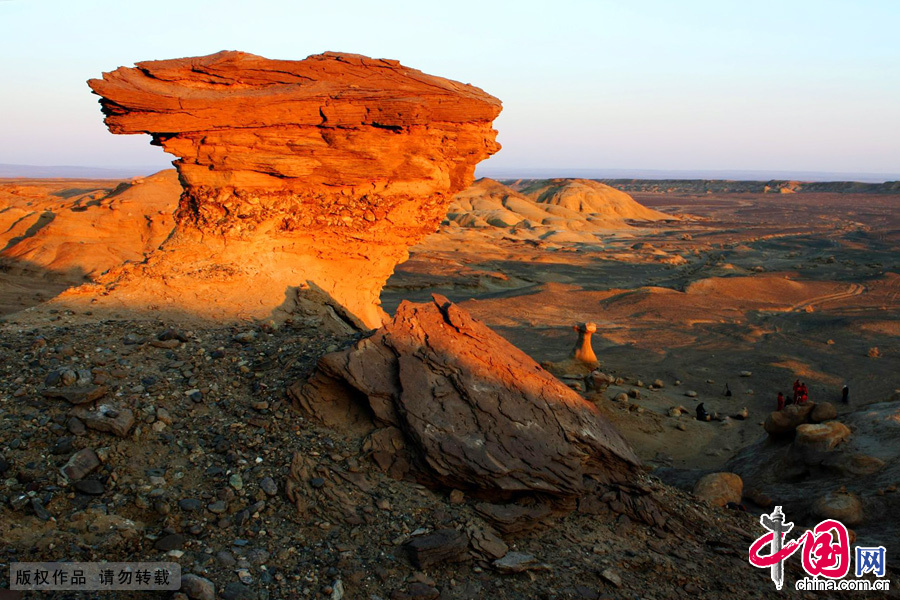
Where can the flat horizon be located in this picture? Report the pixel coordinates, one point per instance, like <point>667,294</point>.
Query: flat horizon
<point>797,87</point>
<point>30,171</point>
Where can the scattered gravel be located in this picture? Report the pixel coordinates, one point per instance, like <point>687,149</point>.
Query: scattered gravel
<point>199,478</point>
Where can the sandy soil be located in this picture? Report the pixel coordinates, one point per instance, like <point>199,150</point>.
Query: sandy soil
<point>778,286</point>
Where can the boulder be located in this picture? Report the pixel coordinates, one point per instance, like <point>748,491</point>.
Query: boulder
<point>440,547</point>
<point>76,394</point>
<point>821,437</point>
<point>198,588</point>
<point>80,464</point>
<point>823,411</point>
<point>477,413</point>
<point>486,543</point>
<point>719,488</point>
<point>387,447</point>
<point>785,422</point>
<point>106,418</point>
<point>599,381</point>
<point>305,182</point>
<point>853,465</point>
<point>844,507</point>
<point>519,562</point>
<point>759,498</point>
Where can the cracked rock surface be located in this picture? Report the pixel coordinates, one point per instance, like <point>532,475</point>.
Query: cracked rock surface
<point>474,412</point>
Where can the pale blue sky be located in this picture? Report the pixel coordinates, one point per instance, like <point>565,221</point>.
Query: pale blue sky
<point>640,84</point>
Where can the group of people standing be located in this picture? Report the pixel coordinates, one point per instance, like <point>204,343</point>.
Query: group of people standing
<point>801,395</point>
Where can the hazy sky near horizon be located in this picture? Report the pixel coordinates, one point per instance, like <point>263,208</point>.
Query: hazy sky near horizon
<point>789,85</point>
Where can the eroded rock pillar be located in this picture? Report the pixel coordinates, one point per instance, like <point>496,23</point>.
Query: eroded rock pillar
<point>305,182</point>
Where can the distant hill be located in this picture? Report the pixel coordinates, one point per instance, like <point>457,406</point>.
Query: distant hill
<point>505,174</point>
<point>87,228</point>
<point>555,211</point>
<point>74,172</point>
<point>590,197</point>
<point>725,186</point>
<point>755,187</point>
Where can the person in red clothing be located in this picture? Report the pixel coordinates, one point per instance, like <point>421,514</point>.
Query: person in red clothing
<point>797,385</point>
<point>804,393</point>
<point>780,401</point>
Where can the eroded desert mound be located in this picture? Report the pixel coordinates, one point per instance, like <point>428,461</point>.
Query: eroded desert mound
<point>589,197</point>
<point>568,211</point>
<point>86,231</point>
<point>304,181</point>
<point>56,234</point>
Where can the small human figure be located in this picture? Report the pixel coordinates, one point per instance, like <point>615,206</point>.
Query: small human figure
<point>780,401</point>
<point>727,391</point>
<point>797,385</point>
<point>845,394</point>
<point>804,393</point>
<point>702,415</point>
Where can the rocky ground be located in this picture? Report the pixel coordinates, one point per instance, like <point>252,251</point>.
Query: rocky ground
<point>199,478</point>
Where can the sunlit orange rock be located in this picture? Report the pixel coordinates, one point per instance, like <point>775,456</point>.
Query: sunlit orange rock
<point>450,403</point>
<point>583,351</point>
<point>310,176</point>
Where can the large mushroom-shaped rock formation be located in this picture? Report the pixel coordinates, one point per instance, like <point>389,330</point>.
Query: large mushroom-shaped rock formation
<point>447,401</point>
<point>312,176</point>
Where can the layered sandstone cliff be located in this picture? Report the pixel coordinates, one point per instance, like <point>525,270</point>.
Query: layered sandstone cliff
<point>304,181</point>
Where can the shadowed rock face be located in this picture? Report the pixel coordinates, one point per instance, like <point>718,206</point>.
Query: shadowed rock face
<point>455,405</point>
<point>315,174</point>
